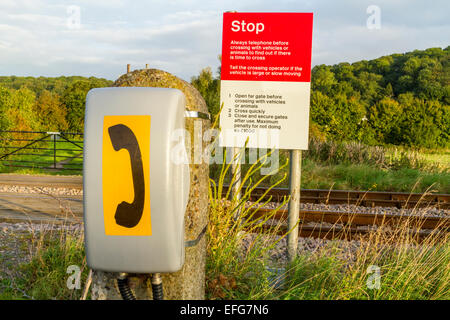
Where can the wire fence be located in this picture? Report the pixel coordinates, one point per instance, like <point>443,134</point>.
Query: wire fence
<point>54,151</point>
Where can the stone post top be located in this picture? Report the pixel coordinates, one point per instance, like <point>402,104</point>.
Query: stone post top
<point>163,79</point>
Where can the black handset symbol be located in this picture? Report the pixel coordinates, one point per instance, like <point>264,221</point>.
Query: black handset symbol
<point>129,214</point>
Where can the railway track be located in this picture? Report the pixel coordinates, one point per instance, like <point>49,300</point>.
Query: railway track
<point>328,224</point>
<point>361,198</point>
<point>352,225</point>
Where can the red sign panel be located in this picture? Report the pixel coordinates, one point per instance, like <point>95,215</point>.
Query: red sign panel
<point>267,46</point>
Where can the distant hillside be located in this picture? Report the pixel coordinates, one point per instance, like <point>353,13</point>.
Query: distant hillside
<point>400,99</point>
<point>396,99</point>
<point>425,73</point>
<point>54,84</point>
<point>45,104</point>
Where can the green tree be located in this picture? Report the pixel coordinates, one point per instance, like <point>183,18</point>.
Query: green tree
<point>322,110</point>
<point>209,88</point>
<point>5,105</point>
<point>385,118</point>
<point>405,96</point>
<point>74,100</point>
<point>425,123</point>
<point>21,113</point>
<point>51,113</point>
<point>322,79</point>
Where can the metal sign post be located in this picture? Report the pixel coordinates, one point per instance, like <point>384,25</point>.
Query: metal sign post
<point>295,167</point>
<point>265,90</point>
<point>236,172</point>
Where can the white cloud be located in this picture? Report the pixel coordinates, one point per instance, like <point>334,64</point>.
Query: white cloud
<point>182,37</point>
<point>32,20</point>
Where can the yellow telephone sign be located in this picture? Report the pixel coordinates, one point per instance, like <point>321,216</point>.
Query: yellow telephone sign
<point>125,176</point>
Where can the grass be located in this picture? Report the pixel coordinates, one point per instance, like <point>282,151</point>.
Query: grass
<point>442,158</point>
<point>354,166</point>
<point>420,272</point>
<point>336,269</point>
<point>231,272</point>
<point>365,177</point>
<point>238,263</point>
<point>46,275</point>
<point>406,272</point>
<point>45,158</point>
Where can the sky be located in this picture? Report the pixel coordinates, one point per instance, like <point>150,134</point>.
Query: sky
<point>100,37</point>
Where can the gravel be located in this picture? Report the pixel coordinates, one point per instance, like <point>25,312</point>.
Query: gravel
<point>278,255</point>
<point>41,190</point>
<point>8,227</point>
<point>16,239</point>
<point>18,243</point>
<point>426,211</point>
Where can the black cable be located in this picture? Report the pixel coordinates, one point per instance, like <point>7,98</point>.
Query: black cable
<point>127,294</point>
<point>124,289</point>
<point>157,288</point>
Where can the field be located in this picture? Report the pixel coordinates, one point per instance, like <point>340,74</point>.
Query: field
<point>44,156</point>
<point>354,166</point>
<point>326,165</point>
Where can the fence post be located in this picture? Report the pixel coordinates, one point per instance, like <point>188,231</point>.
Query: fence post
<point>54,151</point>
<point>46,165</point>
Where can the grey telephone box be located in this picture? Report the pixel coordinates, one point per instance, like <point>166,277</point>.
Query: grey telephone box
<point>135,190</point>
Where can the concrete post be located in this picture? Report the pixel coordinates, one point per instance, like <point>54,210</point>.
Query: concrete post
<point>189,282</point>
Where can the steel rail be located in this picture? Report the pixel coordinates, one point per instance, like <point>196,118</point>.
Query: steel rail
<point>43,196</point>
<point>358,219</point>
<point>346,233</point>
<point>361,198</point>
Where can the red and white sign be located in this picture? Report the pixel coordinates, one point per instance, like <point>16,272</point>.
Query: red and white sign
<point>265,79</point>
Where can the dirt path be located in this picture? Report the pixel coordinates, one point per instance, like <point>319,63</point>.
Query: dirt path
<point>75,182</point>
<point>39,207</point>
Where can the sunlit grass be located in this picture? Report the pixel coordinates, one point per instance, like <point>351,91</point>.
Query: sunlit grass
<point>52,251</point>
<point>387,263</point>
<point>45,158</point>
<point>365,177</point>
